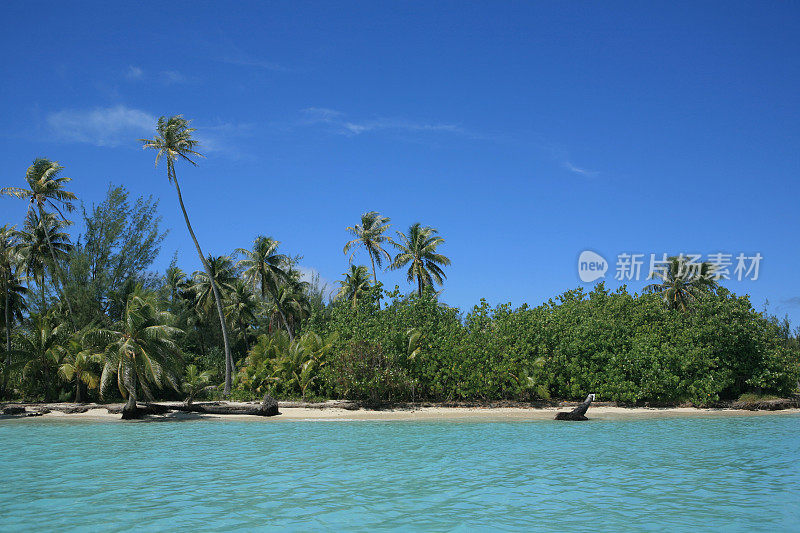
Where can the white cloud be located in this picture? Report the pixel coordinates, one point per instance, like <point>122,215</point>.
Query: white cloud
<point>171,77</point>
<point>308,274</point>
<point>342,126</point>
<point>578,170</point>
<point>134,73</point>
<point>102,126</point>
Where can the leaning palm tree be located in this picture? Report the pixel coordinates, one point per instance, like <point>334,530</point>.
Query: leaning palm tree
<point>370,235</point>
<point>174,141</point>
<point>46,189</point>
<point>683,282</point>
<point>354,285</point>
<point>141,351</point>
<point>264,269</point>
<point>418,251</point>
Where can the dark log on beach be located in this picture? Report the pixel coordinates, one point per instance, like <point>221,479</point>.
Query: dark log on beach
<point>267,407</point>
<point>579,413</point>
<point>14,410</point>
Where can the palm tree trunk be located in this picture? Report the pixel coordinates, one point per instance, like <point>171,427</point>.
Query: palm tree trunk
<point>77,389</point>
<point>217,299</point>
<point>56,266</point>
<point>374,275</point>
<point>283,317</point>
<point>419,284</point>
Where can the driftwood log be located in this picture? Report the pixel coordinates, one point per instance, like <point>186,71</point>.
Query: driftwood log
<point>579,413</point>
<point>267,407</point>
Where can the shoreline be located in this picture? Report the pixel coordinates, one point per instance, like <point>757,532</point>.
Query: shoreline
<point>345,411</point>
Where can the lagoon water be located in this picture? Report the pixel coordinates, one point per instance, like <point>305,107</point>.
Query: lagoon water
<point>681,474</point>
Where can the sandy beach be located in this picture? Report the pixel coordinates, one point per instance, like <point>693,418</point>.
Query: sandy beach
<point>289,411</point>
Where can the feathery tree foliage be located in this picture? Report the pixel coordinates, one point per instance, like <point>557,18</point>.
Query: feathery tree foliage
<point>354,285</point>
<point>683,282</point>
<point>45,190</point>
<point>370,236</point>
<point>142,350</point>
<point>417,249</point>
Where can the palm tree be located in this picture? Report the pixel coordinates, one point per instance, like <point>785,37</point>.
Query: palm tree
<point>355,284</point>
<point>264,268</point>
<point>240,309</point>
<point>46,189</point>
<point>141,350</point>
<point>418,250</point>
<point>174,141</point>
<point>13,291</point>
<point>78,365</point>
<point>40,344</point>
<point>683,282</point>
<point>222,277</point>
<point>175,281</point>
<point>195,382</point>
<point>369,234</point>
<point>42,245</point>
<point>292,297</point>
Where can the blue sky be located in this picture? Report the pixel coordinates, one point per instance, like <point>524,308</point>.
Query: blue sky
<point>525,132</point>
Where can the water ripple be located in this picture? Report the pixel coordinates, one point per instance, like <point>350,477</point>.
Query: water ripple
<point>736,474</point>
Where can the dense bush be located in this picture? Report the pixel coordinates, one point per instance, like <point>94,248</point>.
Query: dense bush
<point>623,347</point>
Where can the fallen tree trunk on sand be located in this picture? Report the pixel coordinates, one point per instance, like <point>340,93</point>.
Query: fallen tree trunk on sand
<point>268,407</point>
<point>579,413</point>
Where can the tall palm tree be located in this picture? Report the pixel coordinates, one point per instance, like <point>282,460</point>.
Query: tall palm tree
<point>354,285</point>
<point>174,141</point>
<point>46,189</point>
<point>141,350</point>
<point>264,269</point>
<point>370,235</point>
<point>418,250</point>
<point>42,245</point>
<point>682,282</point>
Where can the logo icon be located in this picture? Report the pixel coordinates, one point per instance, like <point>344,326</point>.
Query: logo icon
<point>591,266</point>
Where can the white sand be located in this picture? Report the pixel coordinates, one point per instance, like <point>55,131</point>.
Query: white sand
<point>433,414</point>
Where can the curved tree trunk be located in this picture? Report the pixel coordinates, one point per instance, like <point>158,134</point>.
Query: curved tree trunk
<point>217,299</point>
<point>56,266</point>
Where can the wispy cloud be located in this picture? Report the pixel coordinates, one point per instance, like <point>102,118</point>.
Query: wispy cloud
<point>101,126</point>
<point>791,302</point>
<point>341,124</point>
<point>167,77</point>
<point>310,274</point>
<point>245,61</point>
<point>578,170</point>
<point>134,73</point>
<point>225,139</point>
<point>171,77</point>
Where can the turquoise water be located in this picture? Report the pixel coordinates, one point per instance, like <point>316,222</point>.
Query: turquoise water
<point>734,474</point>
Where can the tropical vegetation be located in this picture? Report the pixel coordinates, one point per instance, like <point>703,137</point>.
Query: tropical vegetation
<point>86,317</point>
